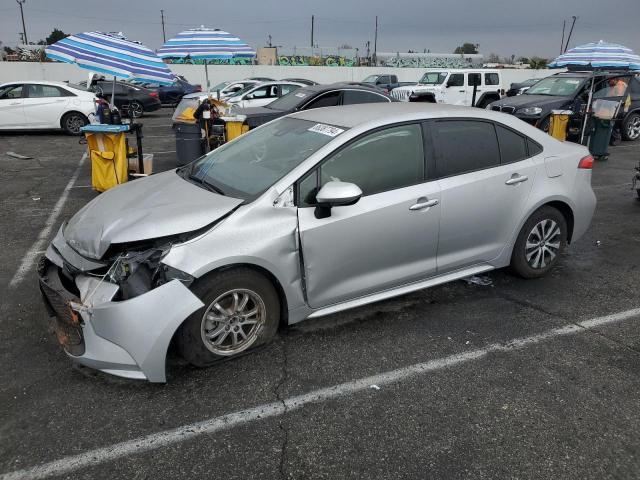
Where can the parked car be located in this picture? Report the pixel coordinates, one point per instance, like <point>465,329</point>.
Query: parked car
<point>261,94</point>
<point>172,94</point>
<point>262,79</point>
<point>317,212</point>
<point>570,91</point>
<point>300,80</point>
<point>385,82</point>
<point>35,105</point>
<point>131,100</point>
<point>518,88</point>
<point>314,96</point>
<point>455,87</point>
<point>228,89</point>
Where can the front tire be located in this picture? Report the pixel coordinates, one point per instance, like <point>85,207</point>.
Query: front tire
<point>135,109</point>
<point>72,122</point>
<point>540,242</point>
<point>631,127</point>
<point>241,312</point>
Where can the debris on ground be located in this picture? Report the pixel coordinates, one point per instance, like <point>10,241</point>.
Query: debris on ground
<point>483,280</point>
<point>374,386</point>
<point>17,155</point>
<point>598,243</point>
<point>35,199</point>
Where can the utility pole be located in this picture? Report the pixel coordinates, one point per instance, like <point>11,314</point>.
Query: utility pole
<point>375,44</point>
<point>312,22</point>
<point>564,24</point>
<point>164,38</point>
<point>570,32</point>
<point>24,29</point>
<point>270,44</point>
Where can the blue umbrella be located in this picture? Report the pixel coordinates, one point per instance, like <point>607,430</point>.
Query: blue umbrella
<point>599,55</point>
<point>206,44</point>
<point>111,54</point>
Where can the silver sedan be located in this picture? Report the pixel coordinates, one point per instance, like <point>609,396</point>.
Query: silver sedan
<point>311,214</point>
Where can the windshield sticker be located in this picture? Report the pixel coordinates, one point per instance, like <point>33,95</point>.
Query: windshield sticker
<point>326,130</point>
<point>573,82</point>
<point>301,95</point>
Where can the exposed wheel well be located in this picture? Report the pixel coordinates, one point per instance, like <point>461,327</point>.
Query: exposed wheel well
<point>65,114</point>
<point>567,213</point>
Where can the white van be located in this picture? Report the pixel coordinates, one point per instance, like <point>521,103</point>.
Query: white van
<point>455,87</point>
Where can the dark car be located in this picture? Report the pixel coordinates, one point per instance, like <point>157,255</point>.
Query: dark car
<point>314,96</point>
<point>262,79</point>
<point>518,88</point>
<point>570,91</point>
<point>300,80</point>
<point>172,94</point>
<point>131,100</point>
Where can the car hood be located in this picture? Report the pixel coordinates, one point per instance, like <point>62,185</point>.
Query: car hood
<point>256,116</point>
<point>157,206</point>
<point>542,101</point>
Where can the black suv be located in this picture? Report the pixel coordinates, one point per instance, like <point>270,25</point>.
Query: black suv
<point>570,91</point>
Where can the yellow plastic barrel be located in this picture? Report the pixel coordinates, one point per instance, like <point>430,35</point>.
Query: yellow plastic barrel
<point>558,124</point>
<point>235,129</point>
<point>108,154</point>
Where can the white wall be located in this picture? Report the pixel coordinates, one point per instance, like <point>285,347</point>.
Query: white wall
<point>17,71</point>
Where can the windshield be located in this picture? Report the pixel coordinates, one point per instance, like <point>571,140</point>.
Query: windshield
<point>556,86</point>
<point>219,86</point>
<point>370,79</point>
<point>291,100</point>
<point>433,78</point>
<point>247,167</point>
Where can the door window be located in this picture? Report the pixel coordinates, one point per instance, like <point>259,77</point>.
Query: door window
<point>456,80</point>
<point>288,88</point>
<point>474,79</point>
<point>262,92</point>
<point>43,91</point>
<point>381,161</point>
<point>534,148</point>
<point>513,147</point>
<point>491,79</point>
<point>352,97</point>
<point>330,99</point>
<point>11,91</point>
<point>464,146</point>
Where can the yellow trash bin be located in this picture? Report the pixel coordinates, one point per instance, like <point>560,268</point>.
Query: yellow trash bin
<point>558,124</point>
<point>234,126</point>
<point>109,163</point>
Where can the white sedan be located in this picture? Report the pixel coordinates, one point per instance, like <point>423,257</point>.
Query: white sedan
<point>30,105</point>
<point>262,94</point>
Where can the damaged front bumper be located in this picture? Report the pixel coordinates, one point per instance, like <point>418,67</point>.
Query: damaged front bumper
<point>127,338</point>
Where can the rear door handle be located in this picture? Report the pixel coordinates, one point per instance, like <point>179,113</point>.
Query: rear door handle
<point>516,179</point>
<point>423,203</point>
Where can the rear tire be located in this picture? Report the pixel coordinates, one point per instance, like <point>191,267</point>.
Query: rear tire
<point>72,122</point>
<point>540,243</point>
<point>135,109</point>
<point>241,312</point>
<point>631,127</point>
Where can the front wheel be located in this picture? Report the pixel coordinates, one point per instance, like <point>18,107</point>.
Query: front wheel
<point>135,109</point>
<point>540,243</point>
<point>242,311</point>
<point>631,127</point>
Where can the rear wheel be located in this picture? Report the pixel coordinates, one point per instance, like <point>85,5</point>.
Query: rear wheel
<point>241,312</point>
<point>72,122</point>
<point>631,127</point>
<point>135,109</point>
<point>540,243</point>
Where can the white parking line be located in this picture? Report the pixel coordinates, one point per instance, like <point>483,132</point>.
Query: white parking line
<point>225,422</point>
<point>43,237</point>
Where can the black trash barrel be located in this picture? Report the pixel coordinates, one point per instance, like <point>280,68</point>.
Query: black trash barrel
<point>599,144</point>
<point>189,142</point>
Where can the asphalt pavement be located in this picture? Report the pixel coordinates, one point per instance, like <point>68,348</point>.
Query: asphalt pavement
<point>522,379</point>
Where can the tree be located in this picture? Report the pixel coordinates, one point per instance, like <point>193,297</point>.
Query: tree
<point>467,48</point>
<point>56,36</point>
<point>537,62</point>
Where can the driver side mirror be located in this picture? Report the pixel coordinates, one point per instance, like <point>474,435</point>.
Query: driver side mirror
<point>336,194</point>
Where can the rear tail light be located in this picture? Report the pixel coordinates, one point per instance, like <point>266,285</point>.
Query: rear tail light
<point>586,162</point>
<point>153,94</point>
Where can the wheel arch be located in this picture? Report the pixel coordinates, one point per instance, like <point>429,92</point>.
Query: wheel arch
<point>68,112</point>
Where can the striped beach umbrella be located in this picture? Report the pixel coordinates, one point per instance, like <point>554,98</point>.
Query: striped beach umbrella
<point>206,44</point>
<point>111,54</point>
<point>599,55</point>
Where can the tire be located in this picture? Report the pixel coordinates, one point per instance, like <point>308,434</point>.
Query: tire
<point>135,109</point>
<point>485,101</point>
<point>220,322</point>
<point>631,127</point>
<point>72,121</point>
<point>544,124</point>
<point>534,262</point>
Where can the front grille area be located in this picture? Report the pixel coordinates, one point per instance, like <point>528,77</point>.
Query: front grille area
<point>402,95</point>
<point>66,321</point>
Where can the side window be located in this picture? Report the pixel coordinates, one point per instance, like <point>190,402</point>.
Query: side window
<point>307,189</point>
<point>288,88</point>
<point>478,150</point>
<point>534,147</point>
<point>513,146</point>
<point>330,99</point>
<point>352,97</point>
<point>258,93</point>
<point>491,79</point>
<point>43,91</point>
<point>474,79</point>
<point>456,80</point>
<point>381,161</point>
<point>10,92</point>
<point>384,79</point>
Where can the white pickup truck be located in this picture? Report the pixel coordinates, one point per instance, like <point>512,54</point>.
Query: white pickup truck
<point>455,87</point>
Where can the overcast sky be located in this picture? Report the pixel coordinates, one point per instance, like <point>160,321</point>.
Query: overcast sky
<point>505,27</point>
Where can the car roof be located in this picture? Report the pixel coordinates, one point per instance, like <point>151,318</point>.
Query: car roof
<point>342,85</point>
<point>38,82</point>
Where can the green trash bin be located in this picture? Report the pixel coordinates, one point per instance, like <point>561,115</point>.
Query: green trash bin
<point>600,138</point>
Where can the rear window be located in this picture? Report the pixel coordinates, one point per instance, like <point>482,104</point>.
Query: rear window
<point>491,79</point>
<point>513,146</point>
<point>534,148</point>
<point>479,149</point>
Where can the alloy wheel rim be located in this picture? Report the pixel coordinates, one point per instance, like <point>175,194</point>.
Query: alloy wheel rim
<point>75,123</point>
<point>136,109</point>
<point>543,244</point>
<point>232,322</point>
<point>633,130</point>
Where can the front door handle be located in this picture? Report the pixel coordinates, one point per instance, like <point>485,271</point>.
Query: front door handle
<point>422,203</point>
<point>516,179</point>
<point>462,91</point>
